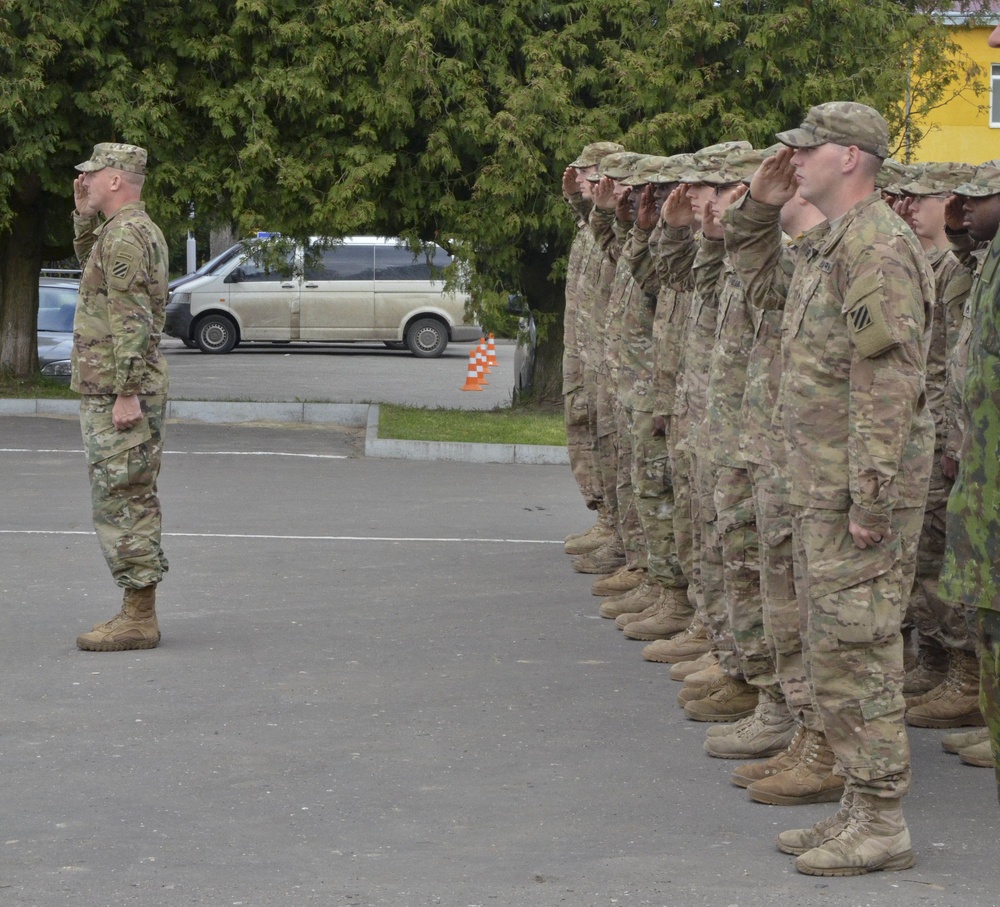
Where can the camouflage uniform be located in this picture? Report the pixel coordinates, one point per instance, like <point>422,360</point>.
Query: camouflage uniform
<point>970,574</point>
<point>583,272</point>
<point>116,335</point>
<point>766,265</point>
<point>651,477</point>
<point>859,442</point>
<point>614,455</point>
<point>673,264</point>
<point>677,246</point>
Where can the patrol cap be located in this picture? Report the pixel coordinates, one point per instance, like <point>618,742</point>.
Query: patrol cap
<point>674,168</point>
<point>647,171</point>
<point>841,123</point>
<point>938,179</point>
<point>985,181</point>
<point>892,174</point>
<point>738,166</point>
<point>617,165</point>
<point>594,153</point>
<point>119,157</point>
<point>711,158</point>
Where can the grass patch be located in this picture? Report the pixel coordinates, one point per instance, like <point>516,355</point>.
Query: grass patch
<point>39,386</point>
<point>523,425</point>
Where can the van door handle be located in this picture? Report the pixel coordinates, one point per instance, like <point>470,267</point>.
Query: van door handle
<point>288,286</point>
<point>312,286</point>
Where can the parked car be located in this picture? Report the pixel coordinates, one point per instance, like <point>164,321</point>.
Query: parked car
<point>56,308</point>
<point>362,288</point>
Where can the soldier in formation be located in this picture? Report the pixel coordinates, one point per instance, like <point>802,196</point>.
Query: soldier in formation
<point>775,354</point>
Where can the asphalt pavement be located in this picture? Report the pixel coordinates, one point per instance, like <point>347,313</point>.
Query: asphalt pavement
<point>380,683</point>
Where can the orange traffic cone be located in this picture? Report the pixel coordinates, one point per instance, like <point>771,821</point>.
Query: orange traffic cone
<point>483,355</point>
<point>491,353</point>
<point>471,376</point>
<point>481,366</point>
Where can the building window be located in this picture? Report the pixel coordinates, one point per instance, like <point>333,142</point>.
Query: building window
<point>995,96</point>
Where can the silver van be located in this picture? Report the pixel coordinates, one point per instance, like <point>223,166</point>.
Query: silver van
<point>362,288</point>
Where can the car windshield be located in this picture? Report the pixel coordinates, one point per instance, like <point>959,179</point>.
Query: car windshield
<point>56,307</point>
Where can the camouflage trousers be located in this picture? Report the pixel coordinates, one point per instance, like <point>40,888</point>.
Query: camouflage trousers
<point>854,601</point>
<point>783,624</point>
<point>932,617</point>
<point>654,500</point>
<point>628,515</point>
<point>580,446</point>
<point>989,679</point>
<point>736,524</point>
<point>684,512</point>
<point>712,564</point>
<point>123,467</point>
<point>606,444</point>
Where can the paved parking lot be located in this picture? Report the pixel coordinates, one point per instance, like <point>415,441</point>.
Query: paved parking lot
<point>337,373</point>
<point>380,683</point>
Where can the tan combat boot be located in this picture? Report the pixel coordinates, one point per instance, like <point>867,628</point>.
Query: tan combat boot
<point>874,838</point>
<point>733,700</point>
<point>954,703</point>
<point>930,669</point>
<point>623,580</point>
<point>686,646</point>
<point>747,774</point>
<point>672,617</point>
<point>684,669</point>
<point>699,684</point>
<point>134,627</point>
<point>798,840</point>
<point>623,620</point>
<point>978,754</point>
<point>955,743</point>
<point>809,780</point>
<point>593,538</point>
<point>768,731</point>
<point>606,559</point>
<point>634,602</point>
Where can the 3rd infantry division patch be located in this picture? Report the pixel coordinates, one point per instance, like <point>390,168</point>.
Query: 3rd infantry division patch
<point>861,318</point>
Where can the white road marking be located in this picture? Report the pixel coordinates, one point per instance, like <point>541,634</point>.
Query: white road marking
<point>297,538</point>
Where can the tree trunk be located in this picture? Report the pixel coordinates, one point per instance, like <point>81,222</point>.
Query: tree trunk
<point>219,239</point>
<point>548,299</point>
<point>20,262</point>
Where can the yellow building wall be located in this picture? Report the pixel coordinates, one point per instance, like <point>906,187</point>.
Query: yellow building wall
<point>964,132</point>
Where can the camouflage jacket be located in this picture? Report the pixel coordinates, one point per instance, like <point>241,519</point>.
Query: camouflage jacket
<point>598,276</point>
<point>851,401</point>
<point>120,312</point>
<point>576,274</point>
<point>699,338</point>
<point>673,257</point>
<point>765,262</point>
<point>727,372</point>
<point>971,572</point>
<point>953,282</point>
<point>635,375</point>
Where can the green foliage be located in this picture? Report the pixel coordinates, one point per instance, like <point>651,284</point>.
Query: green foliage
<point>449,120</point>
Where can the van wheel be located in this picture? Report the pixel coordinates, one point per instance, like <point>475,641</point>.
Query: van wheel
<point>427,338</point>
<point>215,334</point>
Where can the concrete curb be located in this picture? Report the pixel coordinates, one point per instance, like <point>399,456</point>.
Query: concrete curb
<point>350,414</point>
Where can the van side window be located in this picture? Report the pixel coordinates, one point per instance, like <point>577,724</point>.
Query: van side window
<point>399,263</point>
<point>267,266</point>
<point>346,262</point>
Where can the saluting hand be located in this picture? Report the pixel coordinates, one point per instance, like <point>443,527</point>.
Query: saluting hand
<point>649,212</point>
<point>677,210</point>
<point>774,182</point>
